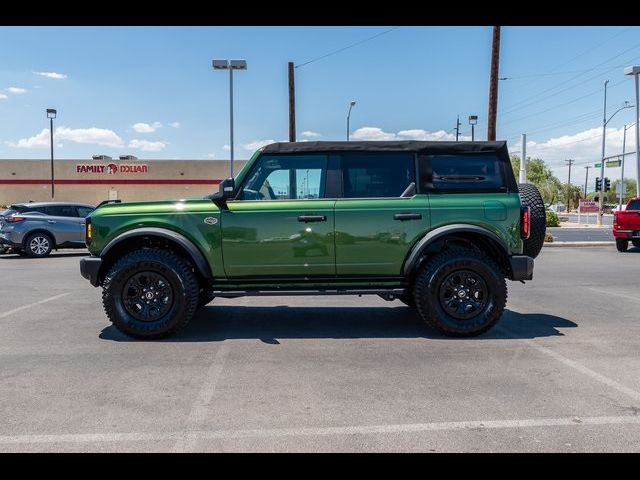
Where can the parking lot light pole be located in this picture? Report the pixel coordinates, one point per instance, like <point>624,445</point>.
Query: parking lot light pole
<point>635,71</point>
<point>230,65</point>
<point>51,114</point>
<point>352,104</point>
<point>473,120</point>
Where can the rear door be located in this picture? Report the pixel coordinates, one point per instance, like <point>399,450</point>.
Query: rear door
<point>380,215</point>
<point>64,223</point>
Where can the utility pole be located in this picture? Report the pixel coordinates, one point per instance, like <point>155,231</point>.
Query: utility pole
<point>493,85</point>
<point>457,127</point>
<point>586,180</point>
<point>604,132</point>
<point>292,104</point>
<point>569,162</point>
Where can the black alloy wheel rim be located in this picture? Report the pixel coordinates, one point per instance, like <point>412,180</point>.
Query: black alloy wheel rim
<point>463,294</point>
<point>147,296</point>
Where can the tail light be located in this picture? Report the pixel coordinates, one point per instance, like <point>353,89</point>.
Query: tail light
<point>525,222</point>
<point>14,219</point>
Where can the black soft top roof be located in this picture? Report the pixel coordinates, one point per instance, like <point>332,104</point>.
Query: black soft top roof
<point>429,148</point>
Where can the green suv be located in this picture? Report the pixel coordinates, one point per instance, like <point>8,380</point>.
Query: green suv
<point>436,225</point>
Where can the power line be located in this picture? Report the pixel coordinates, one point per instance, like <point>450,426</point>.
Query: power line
<point>347,47</point>
<point>561,73</point>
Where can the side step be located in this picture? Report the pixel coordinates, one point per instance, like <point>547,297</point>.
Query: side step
<point>386,293</point>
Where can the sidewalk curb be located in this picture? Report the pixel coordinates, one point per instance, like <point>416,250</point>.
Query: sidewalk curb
<point>579,244</point>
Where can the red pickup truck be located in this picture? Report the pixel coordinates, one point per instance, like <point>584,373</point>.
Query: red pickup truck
<point>626,225</point>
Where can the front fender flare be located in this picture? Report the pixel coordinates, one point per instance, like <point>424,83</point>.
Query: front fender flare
<point>194,252</point>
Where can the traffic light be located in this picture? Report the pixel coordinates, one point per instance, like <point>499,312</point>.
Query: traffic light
<point>598,184</point>
<point>607,184</point>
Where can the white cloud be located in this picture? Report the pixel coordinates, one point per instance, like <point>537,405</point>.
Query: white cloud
<point>146,127</point>
<point>3,96</point>
<point>16,90</point>
<point>54,75</point>
<point>175,124</point>
<point>256,144</point>
<point>372,133</point>
<point>211,155</point>
<point>147,146</point>
<point>95,136</point>
<point>377,134</point>
<point>226,147</point>
<point>310,134</point>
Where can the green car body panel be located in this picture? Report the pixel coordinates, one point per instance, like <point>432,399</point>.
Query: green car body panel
<point>358,242</point>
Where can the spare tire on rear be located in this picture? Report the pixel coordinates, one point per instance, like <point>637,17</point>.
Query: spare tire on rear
<point>530,197</point>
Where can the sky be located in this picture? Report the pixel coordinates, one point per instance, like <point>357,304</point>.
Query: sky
<point>151,91</point>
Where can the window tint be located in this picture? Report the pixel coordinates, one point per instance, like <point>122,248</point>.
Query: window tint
<point>286,177</point>
<point>377,175</point>
<point>467,172</point>
<point>84,212</point>
<point>61,211</point>
<point>634,205</point>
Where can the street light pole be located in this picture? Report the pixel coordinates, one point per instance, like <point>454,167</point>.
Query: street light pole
<point>586,180</point>
<point>351,105</point>
<point>604,132</point>
<point>473,119</point>
<point>51,114</point>
<point>635,71</point>
<point>230,65</point>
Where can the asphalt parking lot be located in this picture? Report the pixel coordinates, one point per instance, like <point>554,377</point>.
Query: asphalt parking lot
<point>561,372</point>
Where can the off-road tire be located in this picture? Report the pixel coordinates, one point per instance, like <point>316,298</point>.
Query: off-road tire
<point>622,245</point>
<point>636,243</point>
<point>530,197</point>
<point>429,288</point>
<point>38,245</point>
<point>183,285</point>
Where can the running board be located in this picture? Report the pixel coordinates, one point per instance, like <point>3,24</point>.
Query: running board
<point>386,293</point>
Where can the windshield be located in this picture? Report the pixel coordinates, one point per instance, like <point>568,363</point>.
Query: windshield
<point>7,212</point>
<point>634,205</point>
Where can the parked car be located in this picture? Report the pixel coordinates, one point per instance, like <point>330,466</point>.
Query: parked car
<point>437,225</point>
<point>34,229</point>
<point>626,225</point>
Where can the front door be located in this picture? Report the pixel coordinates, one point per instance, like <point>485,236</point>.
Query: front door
<point>280,224</point>
<point>64,223</point>
<point>380,215</point>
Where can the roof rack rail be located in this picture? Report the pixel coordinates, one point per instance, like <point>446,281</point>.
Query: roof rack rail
<point>104,202</point>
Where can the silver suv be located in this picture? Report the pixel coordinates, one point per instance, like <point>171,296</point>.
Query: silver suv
<point>36,228</point>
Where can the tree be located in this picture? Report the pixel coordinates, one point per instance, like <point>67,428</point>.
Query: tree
<point>630,190</point>
<point>540,175</point>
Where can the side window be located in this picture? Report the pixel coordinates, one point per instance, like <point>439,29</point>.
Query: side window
<point>286,177</point>
<point>84,212</point>
<point>377,175</point>
<point>62,211</point>
<point>467,172</point>
<point>634,205</point>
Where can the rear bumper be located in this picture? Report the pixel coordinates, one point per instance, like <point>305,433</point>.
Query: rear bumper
<point>5,240</point>
<point>90,269</point>
<point>627,234</point>
<point>521,267</point>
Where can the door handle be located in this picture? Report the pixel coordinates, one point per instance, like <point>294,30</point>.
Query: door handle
<point>312,218</point>
<point>51,221</point>
<point>407,216</point>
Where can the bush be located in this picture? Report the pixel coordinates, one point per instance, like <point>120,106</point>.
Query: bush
<point>552,219</point>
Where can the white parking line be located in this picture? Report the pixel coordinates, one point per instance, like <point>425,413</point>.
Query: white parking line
<point>24,307</point>
<point>200,408</point>
<point>319,431</point>
<point>577,366</point>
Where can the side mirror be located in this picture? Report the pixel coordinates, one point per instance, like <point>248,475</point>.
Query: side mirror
<point>227,188</point>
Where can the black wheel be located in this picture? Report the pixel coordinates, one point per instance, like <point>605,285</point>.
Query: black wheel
<point>204,298</point>
<point>408,300</point>
<point>38,245</point>
<point>636,243</point>
<point>530,197</point>
<point>622,244</point>
<point>150,293</point>
<point>460,292</point>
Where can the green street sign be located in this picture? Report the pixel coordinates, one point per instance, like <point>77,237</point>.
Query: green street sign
<point>598,165</point>
<point>613,163</point>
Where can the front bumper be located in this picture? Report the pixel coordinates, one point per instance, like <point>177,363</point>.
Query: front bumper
<point>521,267</point>
<point>90,269</point>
